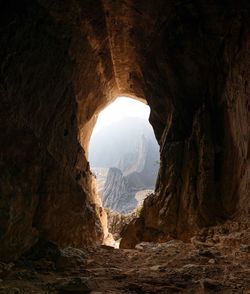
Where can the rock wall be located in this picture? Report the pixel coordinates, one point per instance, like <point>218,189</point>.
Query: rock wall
<point>204,174</point>
<point>47,51</point>
<point>234,111</point>
<point>117,193</point>
<point>63,61</point>
<point>117,222</point>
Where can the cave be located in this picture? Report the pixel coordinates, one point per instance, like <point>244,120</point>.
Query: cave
<point>62,62</point>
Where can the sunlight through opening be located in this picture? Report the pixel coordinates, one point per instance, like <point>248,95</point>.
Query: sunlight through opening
<point>124,155</point>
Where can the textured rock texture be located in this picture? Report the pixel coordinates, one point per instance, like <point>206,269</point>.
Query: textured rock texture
<point>117,222</point>
<point>45,179</point>
<point>204,135</point>
<point>207,265</point>
<point>63,61</point>
<point>117,193</point>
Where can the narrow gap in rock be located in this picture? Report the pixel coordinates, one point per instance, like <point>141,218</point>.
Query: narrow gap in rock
<point>124,158</point>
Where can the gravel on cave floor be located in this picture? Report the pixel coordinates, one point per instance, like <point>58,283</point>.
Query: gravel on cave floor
<point>221,266</point>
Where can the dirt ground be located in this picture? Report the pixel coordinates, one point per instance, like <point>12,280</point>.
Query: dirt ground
<point>217,264</point>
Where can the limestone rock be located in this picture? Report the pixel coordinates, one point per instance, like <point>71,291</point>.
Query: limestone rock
<point>117,222</point>
<point>117,193</point>
<point>63,61</point>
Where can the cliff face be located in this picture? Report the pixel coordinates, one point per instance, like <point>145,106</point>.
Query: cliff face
<point>132,153</point>
<point>142,173</point>
<point>117,194</point>
<point>63,61</point>
<point>122,144</point>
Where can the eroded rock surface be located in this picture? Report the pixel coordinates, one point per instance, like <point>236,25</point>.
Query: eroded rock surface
<point>63,61</point>
<point>212,263</point>
<point>117,193</point>
<point>117,222</point>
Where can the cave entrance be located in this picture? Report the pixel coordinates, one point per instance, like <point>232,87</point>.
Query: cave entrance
<point>124,156</point>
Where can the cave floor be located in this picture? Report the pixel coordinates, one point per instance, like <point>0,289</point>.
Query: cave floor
<point>210,266</point>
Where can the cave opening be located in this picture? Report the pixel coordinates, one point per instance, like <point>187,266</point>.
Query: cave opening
<point>124,157</point>
<point>62,62</point>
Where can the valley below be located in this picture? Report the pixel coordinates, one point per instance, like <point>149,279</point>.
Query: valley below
<point>125,165</point>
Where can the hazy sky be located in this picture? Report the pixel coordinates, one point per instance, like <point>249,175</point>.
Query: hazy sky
<point>120,108</point>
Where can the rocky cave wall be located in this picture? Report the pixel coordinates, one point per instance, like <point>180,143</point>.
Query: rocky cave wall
<point>202,76</point>
<point>54,62</point>
<point>63,61</point>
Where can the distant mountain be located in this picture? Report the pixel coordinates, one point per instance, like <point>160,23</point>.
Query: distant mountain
<point>115,145</point>
<point>118,194</point>
<point>130,151</point>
